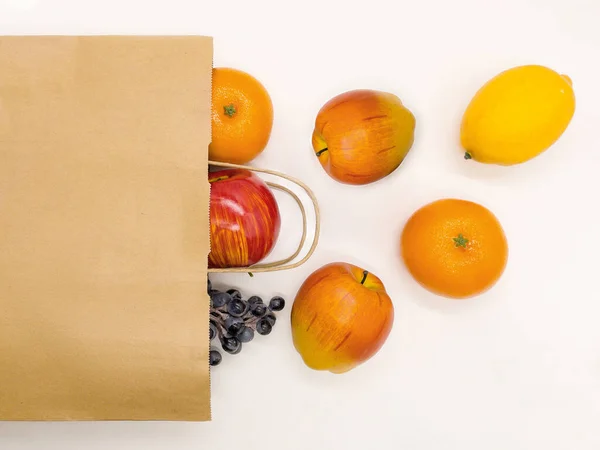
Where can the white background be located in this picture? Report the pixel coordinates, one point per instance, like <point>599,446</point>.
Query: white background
<point>517,368</point>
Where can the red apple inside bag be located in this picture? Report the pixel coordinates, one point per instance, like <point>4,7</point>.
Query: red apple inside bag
<point>244,219</point>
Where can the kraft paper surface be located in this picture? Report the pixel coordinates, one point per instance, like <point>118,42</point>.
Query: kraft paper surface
<point>104,227</point>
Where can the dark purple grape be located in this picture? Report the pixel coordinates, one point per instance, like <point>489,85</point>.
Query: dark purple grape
<point>246,335</point>
<point>215,357</point>
<point>234,325</point>
<point>254,299</point>
<point>234,293</point>
<point>219,299</point>
<point>231,345</point>
<point>258,309</point>
<point>237,307</point>
<point>277,304</point>
<point>271,319</point>
<point>263,327</point>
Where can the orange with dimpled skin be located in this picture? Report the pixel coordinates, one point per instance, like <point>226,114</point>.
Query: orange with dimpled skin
<point>363,135</point>
<point>341,317</point>
<point>242,116</point>
<point>454,248</point>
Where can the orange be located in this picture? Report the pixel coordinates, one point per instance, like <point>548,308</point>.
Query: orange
<point>242,116</point>
<point>454,248</point>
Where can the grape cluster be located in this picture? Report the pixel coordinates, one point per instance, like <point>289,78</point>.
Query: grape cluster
<point>234,320</point>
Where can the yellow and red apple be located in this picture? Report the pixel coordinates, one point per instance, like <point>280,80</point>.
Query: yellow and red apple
<point>244,219</point>
<point>341,317</point>
<point>362,136</point>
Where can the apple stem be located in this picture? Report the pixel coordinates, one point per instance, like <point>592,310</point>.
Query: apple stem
<point>320,152</point>
<point>365,273</point>
<point>468,155</point>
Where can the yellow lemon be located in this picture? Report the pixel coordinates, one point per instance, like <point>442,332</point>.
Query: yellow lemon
<point>517,115</point>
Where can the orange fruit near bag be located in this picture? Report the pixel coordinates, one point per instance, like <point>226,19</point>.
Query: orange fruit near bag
<point>454,248</point>
<point>242,116</point>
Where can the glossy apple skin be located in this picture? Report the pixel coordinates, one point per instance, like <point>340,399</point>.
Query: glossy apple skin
<point>337,322</point>
<point>367,135</point>
<point>244,219</point>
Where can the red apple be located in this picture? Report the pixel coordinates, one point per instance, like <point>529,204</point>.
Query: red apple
<point>244,219</point>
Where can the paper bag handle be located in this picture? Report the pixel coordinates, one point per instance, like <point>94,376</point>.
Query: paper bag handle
<point>282,264</point>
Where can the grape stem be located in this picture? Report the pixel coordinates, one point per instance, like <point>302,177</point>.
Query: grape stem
<point>252,321</point>
<point>220,322</point>
<point>221,330</point>
<point>217,314</point>
<point>249,322</point>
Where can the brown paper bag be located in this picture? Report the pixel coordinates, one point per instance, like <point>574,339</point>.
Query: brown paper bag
<point>104,228</point>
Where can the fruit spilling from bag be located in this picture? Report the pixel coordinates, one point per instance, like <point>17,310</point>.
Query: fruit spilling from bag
<point>235,320</point>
